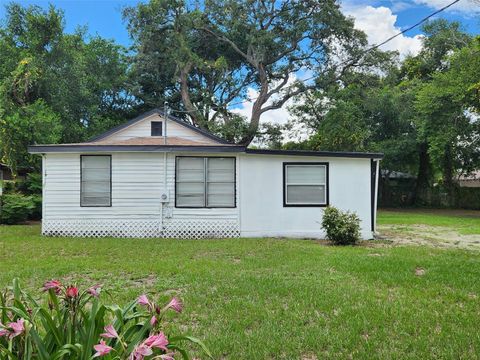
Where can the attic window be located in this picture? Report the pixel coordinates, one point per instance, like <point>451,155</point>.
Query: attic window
<point>156,128</point>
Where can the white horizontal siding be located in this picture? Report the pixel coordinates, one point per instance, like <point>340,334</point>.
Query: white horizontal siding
<point>136,187</point>
<point>143,129</point>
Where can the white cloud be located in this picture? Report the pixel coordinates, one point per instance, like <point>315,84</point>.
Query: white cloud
<point>464,6</point>
<point>379,24</point>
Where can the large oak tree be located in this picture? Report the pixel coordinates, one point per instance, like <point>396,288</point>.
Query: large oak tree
<point>213,52</point>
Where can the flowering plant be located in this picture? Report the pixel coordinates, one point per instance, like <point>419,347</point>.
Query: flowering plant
<point>74,324</point>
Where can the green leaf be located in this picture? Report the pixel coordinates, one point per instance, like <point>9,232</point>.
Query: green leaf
<point>192,340</point>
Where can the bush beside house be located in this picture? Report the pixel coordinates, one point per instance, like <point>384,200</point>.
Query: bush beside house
<point>21,200</point>
<point>342,227</point>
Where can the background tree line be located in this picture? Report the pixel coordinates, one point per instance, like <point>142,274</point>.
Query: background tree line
<point>421,111</point>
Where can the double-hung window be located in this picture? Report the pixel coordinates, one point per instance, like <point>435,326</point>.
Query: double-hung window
<point>205,182</point>
<point>95,187</point>
<point>305,184</point>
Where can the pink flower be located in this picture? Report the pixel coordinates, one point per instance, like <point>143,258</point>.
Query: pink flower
<point>110,333</point>
<point>143,300</point>
<point>17,328</point>
<point>102,349</point>
<point>95,290</point>
<point>3,331</point>
<point>72,292</point>
<point>175,304</point>
<point>140,352</point>
<point>157,341</point>
<point>153,320</point>
<point>52,284</point>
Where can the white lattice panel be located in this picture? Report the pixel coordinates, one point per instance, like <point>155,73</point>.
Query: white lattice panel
<point>102,228</point>
<point>201,228</point>
<point>175,228</point>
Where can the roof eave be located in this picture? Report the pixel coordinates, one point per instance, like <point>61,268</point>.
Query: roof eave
<point>42,149</point>
<point>345,154</point>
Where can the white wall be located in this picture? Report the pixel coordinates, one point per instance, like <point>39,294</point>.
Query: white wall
<point>261,196</point>
<point>137,185</point>
<point>143,129</point>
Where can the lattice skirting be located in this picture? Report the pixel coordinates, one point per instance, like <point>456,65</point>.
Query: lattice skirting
<point>102,228</point>
<point>172,228</point>
<point>201,228</point>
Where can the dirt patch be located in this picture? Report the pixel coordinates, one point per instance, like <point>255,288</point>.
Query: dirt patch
<point>419,271</point>
<point>436,236</point>
<point>445,212</point>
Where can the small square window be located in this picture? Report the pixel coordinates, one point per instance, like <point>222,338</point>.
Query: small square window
<point>305,184</point>
<point>156,128</point>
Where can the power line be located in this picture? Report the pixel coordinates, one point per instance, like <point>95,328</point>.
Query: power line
<point>353,61</point>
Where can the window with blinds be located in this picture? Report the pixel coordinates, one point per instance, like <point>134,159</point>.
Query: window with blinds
<point>305,184</point>
<point>95,189</point>
<point>205,182</point>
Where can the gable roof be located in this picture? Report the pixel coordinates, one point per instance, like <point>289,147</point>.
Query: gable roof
<point>101,143</point>
<point>161,113</point>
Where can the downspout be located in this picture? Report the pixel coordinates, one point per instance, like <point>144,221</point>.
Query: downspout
<point>165,190</point>
<point>44,184</point>
<point>377,175</point>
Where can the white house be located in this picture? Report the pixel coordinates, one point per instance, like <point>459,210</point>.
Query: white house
<point>157,176</point>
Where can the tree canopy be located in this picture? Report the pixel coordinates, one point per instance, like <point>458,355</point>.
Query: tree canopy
<point>205,58</point>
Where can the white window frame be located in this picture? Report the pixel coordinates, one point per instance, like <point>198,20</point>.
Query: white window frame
<point>82,182</point>
<point>206,182</point>
<point>286,166</point>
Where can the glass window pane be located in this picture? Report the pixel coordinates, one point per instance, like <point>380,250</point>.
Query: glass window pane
<point>306,194</point>
<point>190,200</point>
<point>95,188</point>
<point>221,194</point>
<point>306,174</point>
<point>221,200</point>
<point>190,169</point>
<point>190,188</point>
<point>221,169</point>
<point>96,162</point>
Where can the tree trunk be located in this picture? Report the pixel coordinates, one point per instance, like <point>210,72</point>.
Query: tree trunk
<point>422,185</point>
<point>197,118</point>
<point>448,182</point>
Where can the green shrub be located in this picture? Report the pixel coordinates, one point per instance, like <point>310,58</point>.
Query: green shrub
<point>342,228</point>
<point>33,183</point>
<point>74,324</point>
<point>36,213</point>
<point>10,186</point>
<point>16,208</point>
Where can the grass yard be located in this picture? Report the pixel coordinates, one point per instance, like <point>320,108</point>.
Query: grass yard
<point>278,299</point>
<point>465,222</point>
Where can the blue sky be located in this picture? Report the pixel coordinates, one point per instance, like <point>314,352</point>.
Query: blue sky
<point>103,17</point>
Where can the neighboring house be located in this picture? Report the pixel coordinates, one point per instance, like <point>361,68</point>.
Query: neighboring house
<point>5,172</point>
<point>470,180</point>
<point>161,177</point>
<point>7,175</point>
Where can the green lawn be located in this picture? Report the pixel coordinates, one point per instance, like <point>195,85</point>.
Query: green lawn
<point>467,222</point>
<point>277,299</point>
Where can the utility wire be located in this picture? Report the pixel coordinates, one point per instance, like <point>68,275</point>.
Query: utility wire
<point>353,61</point>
